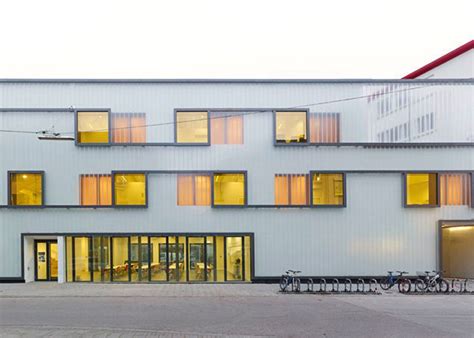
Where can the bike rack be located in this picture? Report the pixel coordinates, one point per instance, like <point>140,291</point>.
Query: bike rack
<point>322,283</point>
<point>310,284</point>
<point>347,281</point>
<point>360,282</point>
<point>373,285</point>
<point>335,285</point>
<point>456,282</point>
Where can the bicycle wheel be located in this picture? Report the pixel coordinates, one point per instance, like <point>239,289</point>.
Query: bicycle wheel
<point>442,286</point>
<point>283,283</point>
<point>404,286</point>
<point>385,284</point>
<point>296,285</point>
<point>420,285</point>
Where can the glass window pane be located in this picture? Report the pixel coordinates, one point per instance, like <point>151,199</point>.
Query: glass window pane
<point>229,189</point>
<point>196,259</point>
<point>130,189</point>
<point>211,259</point>
<point>138,130</point>
<point>191,127</point>
<point>41,261</point>
<point>328,189</point>
<point>92,127</point>
<point>176,259</point>
<point>82,259</point>
<point>89,190</point>
<point>234,258</point>
<point>26,189</point>
<point>290,127</point>
<point>248,259</point>
<point>220,258</point>
<point>421,189</point>
<point>120,262</point>
<point>69,259</point>
<point>139,258</point>
<point>158,258</point>
<point>53,260</point>
<point>101,259</point>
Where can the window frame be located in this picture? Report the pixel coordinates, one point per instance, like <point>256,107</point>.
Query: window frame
<point>9,188</point>
<point>291,144</point>
<point>175,123</point>
<point>76,126</point>
<point>125,172</point>
<point>405,190</point>
<point>213,174</point>
<point>344,189</point>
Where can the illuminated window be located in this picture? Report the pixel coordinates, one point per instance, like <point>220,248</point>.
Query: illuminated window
<point>455,189</point>
<point>324,128</point>
<point>26,188</point>
<point>291,189</point>
<point>229,189</point>
<point>192,127</point>
<point>130,189</point>
<point>96,190</point>
<point>290,127</point>
<point>328,189</point>
<point>129,128</point>
<point>421,189</point>
<point>93,127</point>
<point>194,189</point>
<point>226,129</point>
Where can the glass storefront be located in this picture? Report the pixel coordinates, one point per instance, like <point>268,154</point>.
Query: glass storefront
<point>173,259</point>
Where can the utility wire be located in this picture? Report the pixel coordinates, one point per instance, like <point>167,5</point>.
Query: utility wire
<point>224,116</point>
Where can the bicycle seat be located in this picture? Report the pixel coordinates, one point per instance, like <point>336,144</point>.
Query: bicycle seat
<point>297,271</point>
<point>427,272</point>
<point>390,271</point>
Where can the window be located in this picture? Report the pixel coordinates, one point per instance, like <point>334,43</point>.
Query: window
<point>192,127</point>
<point>455,189</point>
<point>421,189</point>
<point>328,189</point>
<point>226,129</point>
<point>96,190</point>
<point>290,127</point>
<point>93,127</point>
<point>129,128</point>
<point>194,189</point>
<point>324,128</point>
<point>130,189</point>
<point>26,188</point>
<point>291,189</point>
<point>229,189</point>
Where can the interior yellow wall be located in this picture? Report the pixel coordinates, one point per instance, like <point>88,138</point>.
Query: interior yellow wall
<point>458,251</point>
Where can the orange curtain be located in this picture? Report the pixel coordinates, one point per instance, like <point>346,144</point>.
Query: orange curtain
<point>202,187</point>
<point>324,128</point>
<point>455,189</point>
<point>217,129</point>
<point>185,190</point>
<point>88,190</point>
<point>235,130</point>
<point>121,128</point>
<point>138,131</point>
<point>281,190</point>
<point>298,190</point>
<point>105,190</point>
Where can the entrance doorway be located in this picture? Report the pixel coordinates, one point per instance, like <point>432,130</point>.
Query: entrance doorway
<point>46,260</point>
<point>457,250</point>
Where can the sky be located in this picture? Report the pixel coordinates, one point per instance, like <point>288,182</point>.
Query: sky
<point>228,39</point>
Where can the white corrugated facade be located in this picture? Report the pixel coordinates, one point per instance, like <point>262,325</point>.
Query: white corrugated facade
<point>372,234</point>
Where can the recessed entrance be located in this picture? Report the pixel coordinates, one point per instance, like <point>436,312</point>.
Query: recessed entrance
<point>46,260</point>
<point>457,250</point>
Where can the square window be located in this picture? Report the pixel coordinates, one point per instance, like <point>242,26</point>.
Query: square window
<point>291,189</point>
<point>328,189</point>
<point>229,189</point>
<point>227,128</point>
<point>128,128</point>
<point>192,127</point>
<point>96,190</point>
<point>92,127</point>
<point>26,188</point>
<point>421,189</point>
<point>291,127</point>
<point>130,189</point>
<point>194,189</point>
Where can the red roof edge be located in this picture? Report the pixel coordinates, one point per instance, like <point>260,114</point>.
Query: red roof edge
<point>445,58</point>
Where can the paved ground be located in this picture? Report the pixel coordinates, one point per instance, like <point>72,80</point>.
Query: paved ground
<point>72,310</point>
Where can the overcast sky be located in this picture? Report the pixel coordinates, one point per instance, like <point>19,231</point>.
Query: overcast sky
<point>228,39</point>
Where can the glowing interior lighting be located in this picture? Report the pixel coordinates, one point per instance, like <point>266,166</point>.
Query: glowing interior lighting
<point>460,228</point>
<point>24,176</point>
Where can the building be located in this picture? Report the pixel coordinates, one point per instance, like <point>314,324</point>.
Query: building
<point>237,180</point>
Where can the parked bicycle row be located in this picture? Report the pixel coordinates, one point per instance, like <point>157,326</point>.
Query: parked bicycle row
<point>426,282</point>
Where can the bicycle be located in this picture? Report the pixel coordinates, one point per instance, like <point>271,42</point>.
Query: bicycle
<point>404,284</point>
<point>430,283</point>
<point>290,278</point>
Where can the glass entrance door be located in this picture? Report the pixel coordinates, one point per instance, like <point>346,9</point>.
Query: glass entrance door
<point>46,261</point>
